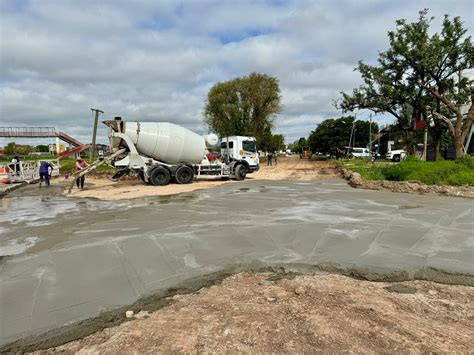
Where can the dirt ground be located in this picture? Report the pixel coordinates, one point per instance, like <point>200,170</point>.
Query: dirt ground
<point>263,313</point>
<point>291,168</point>
<point>355,180</point>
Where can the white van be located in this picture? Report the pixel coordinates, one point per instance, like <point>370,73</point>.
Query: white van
<point>360,153</point>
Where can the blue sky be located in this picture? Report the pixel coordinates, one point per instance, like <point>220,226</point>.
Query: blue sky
<point>156,60</point>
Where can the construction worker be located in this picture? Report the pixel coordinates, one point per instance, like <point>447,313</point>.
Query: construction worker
<point>80,164</point>
<point>15,165</point>
<point>44,173</point>
<point>269,158</point>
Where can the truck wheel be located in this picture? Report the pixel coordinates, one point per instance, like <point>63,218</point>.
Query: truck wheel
<point>184,174</point>
<point>160,176</point>
<point>240,172</point>
<point>396,158</point>
<point>142,177</point>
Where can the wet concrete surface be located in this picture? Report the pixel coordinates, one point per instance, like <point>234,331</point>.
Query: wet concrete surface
<point>74,259</point>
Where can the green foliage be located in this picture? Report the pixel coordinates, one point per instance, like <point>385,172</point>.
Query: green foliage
<point>244,106</point>
<point>10,148</point>
<point>68,165</point>
<point>297,146</point>
<point>269,142</point>
<point>467,160</point>
<point>419,72</point>
<point>42,148</point>
<point>369,173</point>
<point>443,172</point>
<point>335,133</point>
<point>28,158</point>
<point>17,149</point>
<point>278,142</point>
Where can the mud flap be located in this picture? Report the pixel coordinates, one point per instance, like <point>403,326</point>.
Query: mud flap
<point>119,174</point>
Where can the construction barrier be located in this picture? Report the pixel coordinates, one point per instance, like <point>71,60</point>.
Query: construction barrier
<point>5,175</point>
<point>25,171</point>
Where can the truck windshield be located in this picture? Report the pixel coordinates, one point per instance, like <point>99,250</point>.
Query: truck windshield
<point>249,146</point>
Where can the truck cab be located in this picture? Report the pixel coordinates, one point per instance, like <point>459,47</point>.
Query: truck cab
<point>241,149</point>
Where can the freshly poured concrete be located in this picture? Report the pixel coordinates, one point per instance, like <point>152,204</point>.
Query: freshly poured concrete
<point>91,256</point>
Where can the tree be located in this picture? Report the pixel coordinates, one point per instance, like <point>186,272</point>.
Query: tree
<point>419,71</point>
<point>42,148</point>
<point>297,146</point>
<point>270,142</point>
<point>265,142</point>
<point>244,106</point>
<point>19,149</point>
<point>10,148</point>
<point>436,66</point>
<point>335,133</point>
<point>278,142</point>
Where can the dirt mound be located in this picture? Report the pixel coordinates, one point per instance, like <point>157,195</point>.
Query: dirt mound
<point>355,180</point>
<point>261,313</point>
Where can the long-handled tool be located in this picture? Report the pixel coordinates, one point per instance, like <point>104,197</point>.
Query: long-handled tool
<point>94,165</point>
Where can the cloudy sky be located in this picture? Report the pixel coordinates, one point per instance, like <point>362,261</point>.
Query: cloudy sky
<point>157,59</point>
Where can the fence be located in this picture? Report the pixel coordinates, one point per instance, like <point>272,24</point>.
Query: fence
<point>25,171</point>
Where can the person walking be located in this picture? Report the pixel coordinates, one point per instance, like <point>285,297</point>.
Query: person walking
<point>80,164</point>
<point>275,158</point>
<point>269,158</point>
<point>44,173</point>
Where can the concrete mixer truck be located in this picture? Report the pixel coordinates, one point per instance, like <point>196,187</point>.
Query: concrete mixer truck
<point>161,152</point>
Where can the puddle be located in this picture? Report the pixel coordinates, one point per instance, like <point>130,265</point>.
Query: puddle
<point>33,211</point>
<point>17,246</point>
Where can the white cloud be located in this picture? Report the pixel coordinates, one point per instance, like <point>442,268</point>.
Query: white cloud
<point>157,60</point>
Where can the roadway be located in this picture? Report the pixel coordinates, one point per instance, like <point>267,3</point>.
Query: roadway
<point>71,259</point>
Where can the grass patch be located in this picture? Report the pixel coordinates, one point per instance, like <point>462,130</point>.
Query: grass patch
<point>443,172</point>
<point>69,165</point>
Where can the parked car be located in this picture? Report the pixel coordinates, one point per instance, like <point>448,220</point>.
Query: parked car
<point>360,153</point>
<point>396,155</point>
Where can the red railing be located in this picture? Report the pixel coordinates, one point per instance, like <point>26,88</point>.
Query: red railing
<point>73,151</point>
<point>68,139</point>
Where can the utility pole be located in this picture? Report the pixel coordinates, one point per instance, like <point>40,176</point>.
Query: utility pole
<point>378,141</point>
<point>352,135</point>
<point>425,137</point>
<point>370,133</point>
<point>94,133</point>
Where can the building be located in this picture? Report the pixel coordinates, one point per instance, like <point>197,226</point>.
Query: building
<point>53,149</point>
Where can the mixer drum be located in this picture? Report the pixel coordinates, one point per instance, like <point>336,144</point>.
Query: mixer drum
<point>166,142</point>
